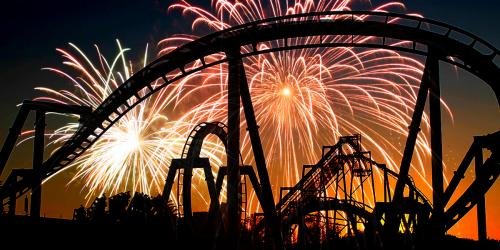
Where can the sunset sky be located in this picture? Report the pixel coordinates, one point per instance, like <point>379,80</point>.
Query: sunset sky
<point>32,30</point>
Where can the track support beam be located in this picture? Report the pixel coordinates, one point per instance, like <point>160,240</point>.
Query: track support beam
<point>238,87</point>
<point>429,77</point>
<point>436,144</point>
<point>12,205</point>
<point>260,160</point>
<point>236,74</point>
<point>36,194</point>
<point>481,204</point>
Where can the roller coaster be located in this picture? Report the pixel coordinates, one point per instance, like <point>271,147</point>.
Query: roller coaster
<point>339,191</point>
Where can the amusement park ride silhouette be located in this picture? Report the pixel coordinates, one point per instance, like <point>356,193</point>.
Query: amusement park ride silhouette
<point>333,193</point>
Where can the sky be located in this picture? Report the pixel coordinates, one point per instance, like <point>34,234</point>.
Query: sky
<point>32,30</point>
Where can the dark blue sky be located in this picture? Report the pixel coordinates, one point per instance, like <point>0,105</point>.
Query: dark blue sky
<point>31,30</point>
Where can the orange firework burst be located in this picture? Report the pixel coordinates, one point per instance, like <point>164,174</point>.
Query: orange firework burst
<point>307,98</point>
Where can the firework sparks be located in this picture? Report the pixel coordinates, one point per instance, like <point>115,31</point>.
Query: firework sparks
<point>303,99</point>
<point>307,98</point>
<point>134,154</point>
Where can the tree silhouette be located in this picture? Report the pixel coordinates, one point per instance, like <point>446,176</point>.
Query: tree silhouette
<point>118,206</point>
<point>97,211</point>
<point>122,209</point>
<point>139,208</point>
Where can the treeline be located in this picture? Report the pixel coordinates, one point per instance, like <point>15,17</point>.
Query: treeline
<point>122,208</point>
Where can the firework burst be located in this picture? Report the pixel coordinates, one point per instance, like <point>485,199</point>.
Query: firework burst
<point>303,99</point>
<point>307,98</point>
<point>134,154</point>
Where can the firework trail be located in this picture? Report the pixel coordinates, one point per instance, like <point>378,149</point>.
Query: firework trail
<point>303,99</point>
<point>307,98</point>
<point>134,154</point>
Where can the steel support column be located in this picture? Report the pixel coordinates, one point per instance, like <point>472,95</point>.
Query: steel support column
<point>459,173</point>
<point>481,204</point>
<point>414,129</point>
<point>268,205</point>
<point>436,144</point>
<point>212,190</point>
<point>235,65</point>
<point>38,149</point>
<point>10,140</point>
<point>187,176</point>
<point>169,182</point>
<point>12,204</point>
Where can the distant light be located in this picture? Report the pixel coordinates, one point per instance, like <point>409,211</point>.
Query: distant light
<point>286,91</point>
<point>132,141</point>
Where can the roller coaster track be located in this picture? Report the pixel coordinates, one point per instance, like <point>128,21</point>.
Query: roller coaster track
<point>436,40</point>
<point>475,55</point>
<point>323,173</point>
<point>317,178</point>
<point>192,147</point>
<point>486,174</point>
<point>191,153</point>
<point>306,196</point>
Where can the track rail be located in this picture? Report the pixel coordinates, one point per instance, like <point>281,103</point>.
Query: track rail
<point>190,152</point>
<point>452,45</point>
<point>306,196</point>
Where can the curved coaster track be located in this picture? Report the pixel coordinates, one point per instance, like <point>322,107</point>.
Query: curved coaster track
<point>435,40</point>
